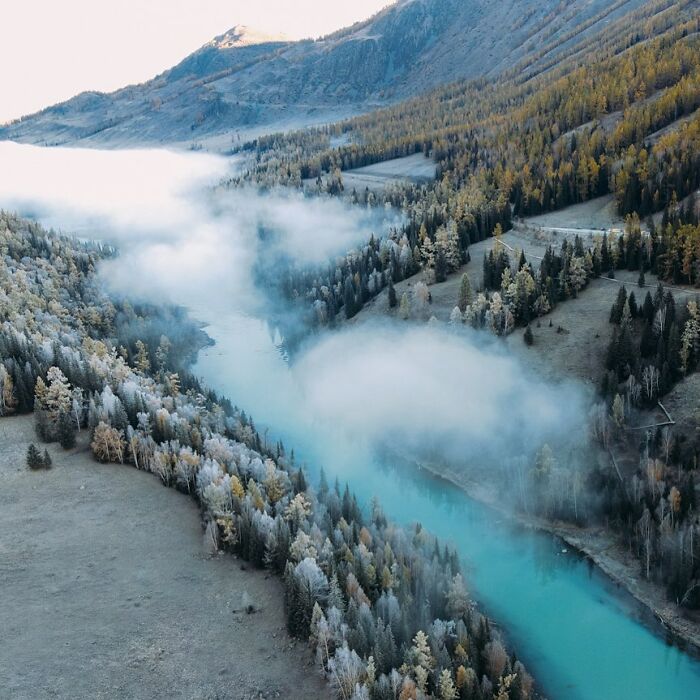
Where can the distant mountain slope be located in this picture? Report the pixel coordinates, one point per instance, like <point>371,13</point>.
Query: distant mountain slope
<point>243,82</point>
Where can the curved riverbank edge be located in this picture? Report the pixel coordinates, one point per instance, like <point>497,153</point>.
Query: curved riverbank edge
<point>602,549</point>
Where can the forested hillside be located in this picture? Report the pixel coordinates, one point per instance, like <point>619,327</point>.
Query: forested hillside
<point>516,110</point>
<point>619,116</point>
<point>539,142</point>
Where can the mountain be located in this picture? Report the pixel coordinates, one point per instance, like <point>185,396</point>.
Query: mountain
<point>245,83</point>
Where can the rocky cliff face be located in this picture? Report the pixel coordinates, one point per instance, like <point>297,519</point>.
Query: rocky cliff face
<point>240,82</point>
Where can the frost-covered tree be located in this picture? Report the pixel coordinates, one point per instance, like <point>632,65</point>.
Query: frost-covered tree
<point>108,443</point>
<point>448,691</point>
<point>8,402</point>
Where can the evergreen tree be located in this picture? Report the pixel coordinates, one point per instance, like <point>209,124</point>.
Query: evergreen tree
<point>66,431</point>
<point>632,303</point>
<point>488,271</point>
<point>349,298</point>
<point>43,426</point>
<point>440,267</point>
<point>466,296</point>
<point>522,261</point>
<point>648,309</point>
<point>34,458</point>
<point>618,307</point>
<point>392,295</point>
<point>405,307</point>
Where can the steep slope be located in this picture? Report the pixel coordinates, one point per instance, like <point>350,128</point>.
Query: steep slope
<point>243,82</point>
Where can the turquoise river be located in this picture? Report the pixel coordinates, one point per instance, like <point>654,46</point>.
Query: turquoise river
<point>580,635</point>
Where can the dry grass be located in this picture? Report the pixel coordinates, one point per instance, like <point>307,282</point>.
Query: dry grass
<point>597,213</point>
<point>108,591</point>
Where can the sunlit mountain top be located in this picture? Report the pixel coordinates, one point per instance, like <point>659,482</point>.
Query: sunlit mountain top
<point>242,35</point>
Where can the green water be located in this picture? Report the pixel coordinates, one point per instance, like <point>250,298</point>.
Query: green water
<point>581,637</point>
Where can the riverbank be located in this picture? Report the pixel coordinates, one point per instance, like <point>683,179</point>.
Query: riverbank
<point>603,549</point>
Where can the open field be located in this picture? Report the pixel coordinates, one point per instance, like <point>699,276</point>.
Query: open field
<point>591,218</point>
<point>575,343</point>
<point>108,591</point>
<point>415,168</point>
<point>593,215</point>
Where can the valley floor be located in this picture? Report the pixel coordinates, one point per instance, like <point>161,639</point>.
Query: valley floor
<point>108,591</point>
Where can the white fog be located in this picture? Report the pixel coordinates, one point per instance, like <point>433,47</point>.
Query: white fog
<point>180,243</point>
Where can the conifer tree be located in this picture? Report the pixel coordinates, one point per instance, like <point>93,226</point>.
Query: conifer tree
<point>404,307</point>
<point>392,295</point>
<point>142,361</point>
<point>466,296</point>
<point>34,458</point>
<point>66,431</point>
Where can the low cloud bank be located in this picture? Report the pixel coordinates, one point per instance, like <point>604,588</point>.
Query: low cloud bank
<point>430,390</point>
<point>425,389</point>
<point>179,241</point>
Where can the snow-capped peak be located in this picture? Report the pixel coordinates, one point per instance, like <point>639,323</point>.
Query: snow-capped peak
<point>241,35</point>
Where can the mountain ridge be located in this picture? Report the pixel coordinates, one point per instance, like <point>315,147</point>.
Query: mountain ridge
<point>234,88</point>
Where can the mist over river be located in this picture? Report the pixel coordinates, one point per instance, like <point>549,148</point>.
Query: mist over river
<point>345,392</point>
<point>581,636</point>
